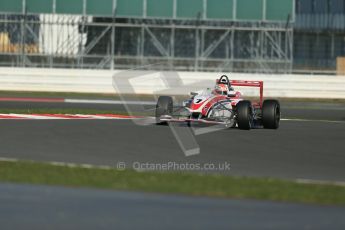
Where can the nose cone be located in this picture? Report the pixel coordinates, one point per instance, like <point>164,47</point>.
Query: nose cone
<point>194,106</point>
<point>198,102</point>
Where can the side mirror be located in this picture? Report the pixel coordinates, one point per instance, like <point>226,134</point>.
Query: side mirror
<point>193,94</point>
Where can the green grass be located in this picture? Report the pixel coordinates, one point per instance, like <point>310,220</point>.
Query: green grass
<point>172,183</point>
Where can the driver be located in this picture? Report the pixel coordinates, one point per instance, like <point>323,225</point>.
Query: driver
<point>222,89</point>
<point>223,86</point>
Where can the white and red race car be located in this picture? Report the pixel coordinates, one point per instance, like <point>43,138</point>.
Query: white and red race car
<point>222,105</point>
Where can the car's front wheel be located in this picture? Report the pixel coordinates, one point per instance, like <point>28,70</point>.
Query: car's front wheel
<point>164,106</point>
<point>244,115</point>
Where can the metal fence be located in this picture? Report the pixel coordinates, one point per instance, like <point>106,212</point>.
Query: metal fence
<point>74,41</point>
<point>195,35</point>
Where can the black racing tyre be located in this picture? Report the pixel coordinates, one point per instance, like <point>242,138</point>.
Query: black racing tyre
<point>271,114</point>
<point>164,106</point>
<point>244,115</point>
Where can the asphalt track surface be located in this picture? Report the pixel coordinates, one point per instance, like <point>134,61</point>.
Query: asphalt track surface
<point>303,110</point>
<point>45,207</point>
<point>312,150</point>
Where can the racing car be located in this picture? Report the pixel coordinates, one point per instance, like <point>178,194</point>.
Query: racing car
<point>223,105</point>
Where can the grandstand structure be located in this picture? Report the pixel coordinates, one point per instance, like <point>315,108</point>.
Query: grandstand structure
<point>185,35</point>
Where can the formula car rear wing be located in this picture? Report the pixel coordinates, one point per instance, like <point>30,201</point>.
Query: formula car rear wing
<point>259,84</point>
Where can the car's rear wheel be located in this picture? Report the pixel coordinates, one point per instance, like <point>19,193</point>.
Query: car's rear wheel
<point>271,114</point>
<point>164,106</point>
<point>244,115</point>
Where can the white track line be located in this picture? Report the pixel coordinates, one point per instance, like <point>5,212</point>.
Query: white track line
<point>322,182</point>
<point>34,117</point>
<point>110,102</point>
<point>310,120</point>
<point>5,159</point>
<point>64,117</point>
<point>61,164</point>
<point>100,117</point>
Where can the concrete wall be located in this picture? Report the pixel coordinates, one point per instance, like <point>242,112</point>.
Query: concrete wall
<point>96,81</point>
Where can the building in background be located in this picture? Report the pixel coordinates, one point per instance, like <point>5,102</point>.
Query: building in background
<point>319,34</point>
